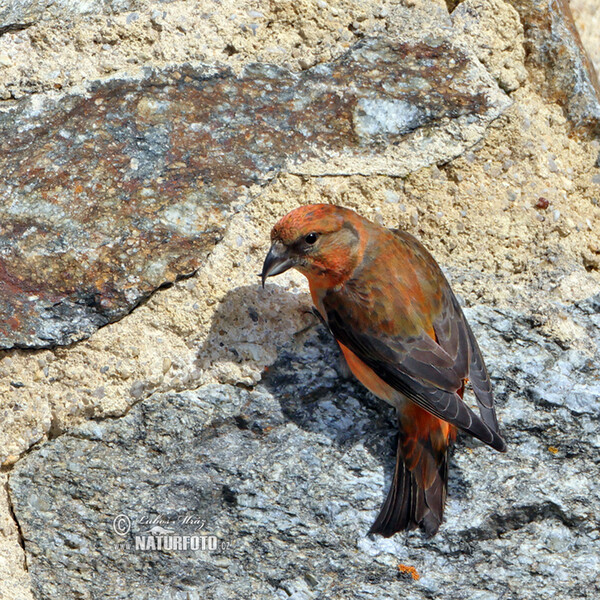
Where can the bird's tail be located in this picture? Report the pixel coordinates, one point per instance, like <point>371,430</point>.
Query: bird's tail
<point>418,492</point>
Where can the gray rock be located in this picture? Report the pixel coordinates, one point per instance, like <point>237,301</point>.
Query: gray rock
<point>284,481</point>
<point>18,14</point>
<point>107,195</point>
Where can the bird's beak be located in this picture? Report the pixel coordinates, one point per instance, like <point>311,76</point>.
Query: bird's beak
<point>277,261</point>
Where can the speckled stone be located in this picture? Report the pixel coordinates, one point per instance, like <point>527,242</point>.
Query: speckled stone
<point>107,195</point>
<point>18,14</point>
<point>288,477</point>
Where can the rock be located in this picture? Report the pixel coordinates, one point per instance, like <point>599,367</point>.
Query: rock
<point>285,477</point>
<point>554,47</point>
<point>587,20</point>
<point>494,31</point>
<point>14,580</point>
<point>109,194</point>
<point>18,14</point>
<point>283,482</point>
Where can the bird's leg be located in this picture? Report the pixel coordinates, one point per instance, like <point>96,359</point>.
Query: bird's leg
<point>312,311</point>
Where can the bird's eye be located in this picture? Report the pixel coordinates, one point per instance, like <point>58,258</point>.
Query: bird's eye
<point>311,238</point>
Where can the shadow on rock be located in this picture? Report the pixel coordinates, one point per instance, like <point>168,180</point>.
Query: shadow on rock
<point>308,377</point>
<point>317,392</point>
<point>248,326</point>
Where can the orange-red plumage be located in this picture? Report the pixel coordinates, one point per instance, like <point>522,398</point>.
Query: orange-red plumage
<point>404,337</point>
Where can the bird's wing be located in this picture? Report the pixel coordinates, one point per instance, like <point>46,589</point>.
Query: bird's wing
<point>429,372</point>
<point>454,335</point>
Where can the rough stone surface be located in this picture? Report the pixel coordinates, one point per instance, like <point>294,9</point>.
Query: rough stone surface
<point>297,468</point>
<point>294,34</point>
<point>514,220</point>
<point>554,47</point>
<point>587,19</point>
<point>19,14</point>
<point>16,583</point>
<point>108,196</point>
<point>490,26</point>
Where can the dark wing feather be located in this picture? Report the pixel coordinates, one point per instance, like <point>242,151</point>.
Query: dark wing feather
<point>428,372</point>
<point>481,384</point>
<point>469,360</point>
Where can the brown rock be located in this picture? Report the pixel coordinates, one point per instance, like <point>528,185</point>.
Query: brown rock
<point>555,50</point>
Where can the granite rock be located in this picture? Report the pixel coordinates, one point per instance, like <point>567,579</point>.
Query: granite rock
<point>109,194</point>
<point>283,481</point>
<point>280,481</point>
<point>19,14</point>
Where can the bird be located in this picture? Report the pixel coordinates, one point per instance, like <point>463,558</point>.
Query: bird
<point>404,336</point>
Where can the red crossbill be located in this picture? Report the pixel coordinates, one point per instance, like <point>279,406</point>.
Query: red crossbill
<point>404,336</point>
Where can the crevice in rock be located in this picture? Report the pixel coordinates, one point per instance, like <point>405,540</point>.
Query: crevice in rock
<point>498,525</point>
<point>229,495</point>
<point>7,468</point>
<point>452,4</point>
<point>55,429</point>
<point>13,515</point>
<point>14,27</point>
<point>529,513</point>
<point>141,302</point>
<point>230,50</point>
<point>465,543</point>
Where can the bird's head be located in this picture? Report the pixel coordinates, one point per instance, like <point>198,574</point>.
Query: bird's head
<point>319,240</point>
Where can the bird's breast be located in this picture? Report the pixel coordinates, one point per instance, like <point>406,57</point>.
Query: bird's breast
<point>370,379</point>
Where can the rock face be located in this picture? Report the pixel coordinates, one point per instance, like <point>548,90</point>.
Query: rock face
<point>554,47</point>
<point>282,483</point>
<point>207,445</point>
<point>18,14</point>
<point>106,197</point>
